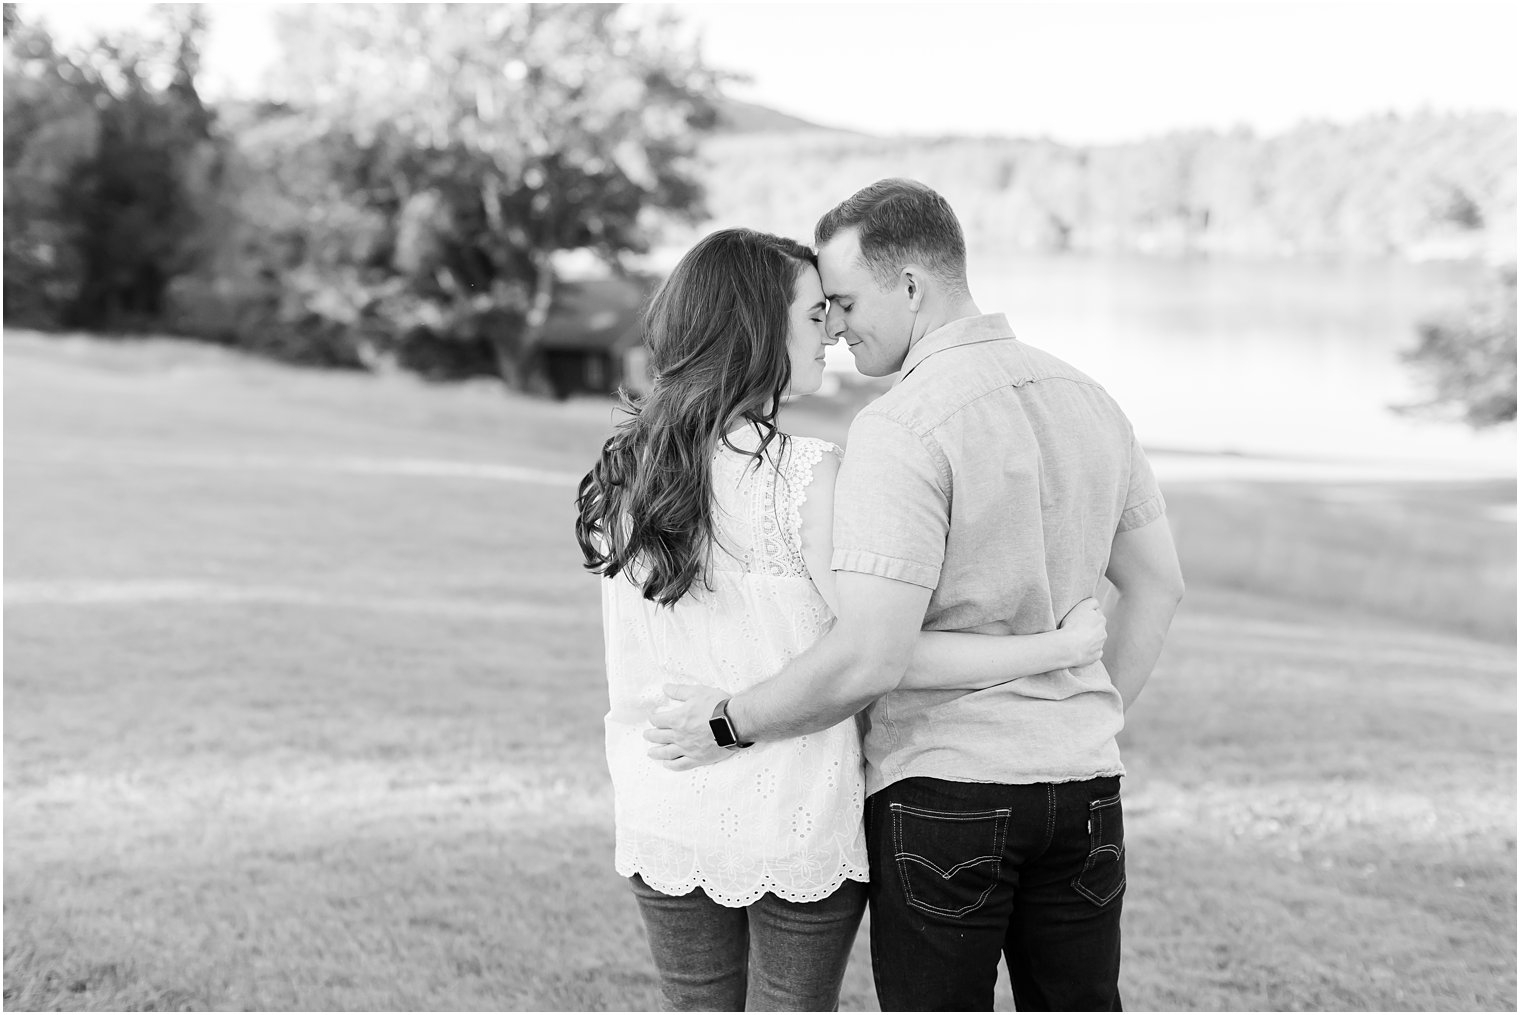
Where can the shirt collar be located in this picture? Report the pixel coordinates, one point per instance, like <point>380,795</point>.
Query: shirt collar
<point>965,331</point>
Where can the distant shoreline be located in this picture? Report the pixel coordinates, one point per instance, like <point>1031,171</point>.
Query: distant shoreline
<point>1174,462</point>
<point>1178,465</point>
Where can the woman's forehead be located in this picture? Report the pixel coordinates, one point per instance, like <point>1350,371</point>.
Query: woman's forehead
<point>809,287</point>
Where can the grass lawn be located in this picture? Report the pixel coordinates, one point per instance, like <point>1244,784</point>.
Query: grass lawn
<point>303,700</point>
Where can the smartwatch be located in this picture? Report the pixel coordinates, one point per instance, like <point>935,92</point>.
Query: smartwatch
<point>723,730</point>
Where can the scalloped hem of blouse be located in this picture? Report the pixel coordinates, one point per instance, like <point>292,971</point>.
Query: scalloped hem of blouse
<point>750,895</point>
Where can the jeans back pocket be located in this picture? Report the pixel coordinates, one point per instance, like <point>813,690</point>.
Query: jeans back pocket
<point>948,861</point>
<point>1102,876</point>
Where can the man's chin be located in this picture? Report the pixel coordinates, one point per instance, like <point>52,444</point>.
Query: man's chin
<point>871,369</point>
<point>862,366</point>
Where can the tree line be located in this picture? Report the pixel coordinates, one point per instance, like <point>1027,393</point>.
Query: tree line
<point>1415,186</point>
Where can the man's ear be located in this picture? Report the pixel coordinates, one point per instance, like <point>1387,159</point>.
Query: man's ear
<point>912,278</point>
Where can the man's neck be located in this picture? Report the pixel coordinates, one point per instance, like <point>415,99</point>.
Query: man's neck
<point>937,318</point>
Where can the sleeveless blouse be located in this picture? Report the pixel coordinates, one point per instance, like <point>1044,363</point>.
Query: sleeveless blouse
<point>783,816</point>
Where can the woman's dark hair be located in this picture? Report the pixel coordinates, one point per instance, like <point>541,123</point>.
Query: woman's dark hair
<point>716,331</point>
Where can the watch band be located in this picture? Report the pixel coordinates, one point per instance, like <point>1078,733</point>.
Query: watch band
<point>723,729</point>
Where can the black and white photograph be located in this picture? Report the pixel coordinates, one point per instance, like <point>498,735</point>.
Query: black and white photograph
<point>760,506</point>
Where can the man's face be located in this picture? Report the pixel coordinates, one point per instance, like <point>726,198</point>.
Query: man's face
<point>875,324</point>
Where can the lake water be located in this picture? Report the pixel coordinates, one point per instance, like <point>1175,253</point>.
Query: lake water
<point>1273,358</point>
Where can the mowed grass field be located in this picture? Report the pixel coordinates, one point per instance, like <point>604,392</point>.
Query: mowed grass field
<point>303,699</point>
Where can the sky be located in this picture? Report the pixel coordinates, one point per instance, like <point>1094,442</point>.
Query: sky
<point>1076,71</point>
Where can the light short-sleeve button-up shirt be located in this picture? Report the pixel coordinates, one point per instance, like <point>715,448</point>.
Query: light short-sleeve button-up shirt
<point>996,475</point>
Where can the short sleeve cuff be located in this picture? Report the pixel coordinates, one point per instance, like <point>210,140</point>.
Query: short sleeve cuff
<point>1140,514</point>
<point>866,562</point>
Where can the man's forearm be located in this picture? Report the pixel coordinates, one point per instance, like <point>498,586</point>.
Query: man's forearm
<point>1138,623</point>
<point>829,682</point>
<point>860,658</point>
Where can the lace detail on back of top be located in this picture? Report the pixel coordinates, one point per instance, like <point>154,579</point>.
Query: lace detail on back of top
<point>757,512</point>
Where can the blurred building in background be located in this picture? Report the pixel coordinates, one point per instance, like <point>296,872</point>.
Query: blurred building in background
<point>592,342</point>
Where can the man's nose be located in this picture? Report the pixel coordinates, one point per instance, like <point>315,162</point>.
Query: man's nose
<point>834,325</point>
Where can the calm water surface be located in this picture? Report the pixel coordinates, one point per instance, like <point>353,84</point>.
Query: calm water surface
<point>1277,358</point>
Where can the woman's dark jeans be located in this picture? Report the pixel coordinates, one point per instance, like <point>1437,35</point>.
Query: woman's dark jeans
<point>772,955</point>
<point>962,873</point>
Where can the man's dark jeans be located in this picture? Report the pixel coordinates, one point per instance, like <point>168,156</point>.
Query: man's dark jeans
<point>964,872</point>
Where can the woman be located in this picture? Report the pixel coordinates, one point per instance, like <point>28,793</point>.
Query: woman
<point>749,874</point>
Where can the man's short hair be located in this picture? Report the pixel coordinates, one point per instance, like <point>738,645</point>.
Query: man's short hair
<point>901,221</point>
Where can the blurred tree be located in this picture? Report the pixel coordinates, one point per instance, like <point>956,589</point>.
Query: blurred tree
<point>138,198</point>
<point>1468,362</point>
<point>51,128</point>
<point>108,153</point>
<point>441,154</point>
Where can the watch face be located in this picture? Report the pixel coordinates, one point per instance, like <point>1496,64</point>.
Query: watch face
<point>723,733</point>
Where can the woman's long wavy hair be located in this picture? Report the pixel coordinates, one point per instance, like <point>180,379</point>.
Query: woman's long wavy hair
<point>716,331</point>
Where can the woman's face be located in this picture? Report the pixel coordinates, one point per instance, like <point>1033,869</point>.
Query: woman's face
<point>808,336</point>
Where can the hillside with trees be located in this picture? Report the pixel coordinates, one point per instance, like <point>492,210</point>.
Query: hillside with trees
<point>1426,186</point>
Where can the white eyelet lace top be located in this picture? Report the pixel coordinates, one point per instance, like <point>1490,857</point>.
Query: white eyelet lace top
<point>782,816</point>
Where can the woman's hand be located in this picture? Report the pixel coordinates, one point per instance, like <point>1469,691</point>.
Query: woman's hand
<point>1084,630</point>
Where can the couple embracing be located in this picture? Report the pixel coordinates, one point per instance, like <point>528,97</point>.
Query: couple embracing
<point>877,676</point>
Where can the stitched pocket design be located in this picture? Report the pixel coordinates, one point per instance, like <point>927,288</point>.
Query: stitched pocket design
<point>1101,879</point>
<point>948,861</point>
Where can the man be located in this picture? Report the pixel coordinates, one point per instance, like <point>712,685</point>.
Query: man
<point>990,490</point>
